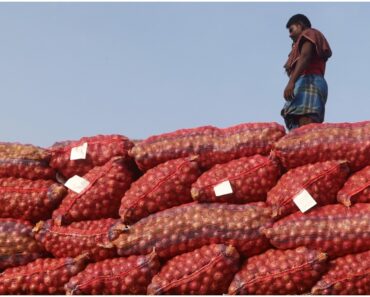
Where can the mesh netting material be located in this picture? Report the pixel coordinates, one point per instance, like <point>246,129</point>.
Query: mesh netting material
<point>187,227</point>
<point>100,149</point>
<point>101,198</point>
<point>25,161</point>
<point>31,200</point>
<point>250,179</point>
<point>212,145</point>
<point>17,243</point>
<point>323,142</point>
<point>117,276</point>
<point>334,229</point>
<point>43,276</point>
<point>280,272</point>
<point>161,187</point>
<point>322,180</point>
<point>348,275</point>
<point>208,270</point>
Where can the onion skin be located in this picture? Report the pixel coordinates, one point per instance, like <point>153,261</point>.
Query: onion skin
<point>280,272</point>
<point>333,229</point>
<point>348,275</point>
<point>116,276</point>
<point>212,145</point>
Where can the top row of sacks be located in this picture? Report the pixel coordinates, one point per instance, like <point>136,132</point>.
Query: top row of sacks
<point>309,144</point>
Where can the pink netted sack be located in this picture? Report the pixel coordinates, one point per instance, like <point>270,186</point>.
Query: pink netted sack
<point>212,145</point>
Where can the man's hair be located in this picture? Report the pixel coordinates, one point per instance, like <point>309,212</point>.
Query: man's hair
<point>299,19</point>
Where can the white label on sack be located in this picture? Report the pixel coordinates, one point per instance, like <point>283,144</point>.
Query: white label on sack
<point>223,188</point>
<point>79,152</point>
<point>304,201</point>
<point>77,184</point>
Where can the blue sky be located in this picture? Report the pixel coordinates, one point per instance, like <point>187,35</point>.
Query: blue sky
<point>70,70</point>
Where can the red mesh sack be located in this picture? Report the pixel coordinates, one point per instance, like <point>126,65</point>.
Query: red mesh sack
<point>17,243</point>
<point>349,275</point>
<point>31,200</point>
<point>278,272</point>
<point>80,237</point>
<point>322,142</point>
<point>322,180</point>
<point>213,145</point>
<point>161,187</point>
<point>208,270</point>
<point>356,189</point>
<point>100,149</point>
<point>43,276</point>
<point>250,179</point>
<point>101,198</point>
<point>333,229</point>
<point>116,276</point>
<point>187,227</point>
<point>25,161</point>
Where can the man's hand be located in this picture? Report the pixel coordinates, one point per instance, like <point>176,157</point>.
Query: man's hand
<point>289,91</point>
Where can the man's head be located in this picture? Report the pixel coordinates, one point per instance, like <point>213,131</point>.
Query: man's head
<point>296,24</point>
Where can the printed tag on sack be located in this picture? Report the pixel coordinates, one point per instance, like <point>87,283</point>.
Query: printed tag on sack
<point>77,184</point>
<point>304,201</point>
<point>223,188</point>
<point>79,152</point>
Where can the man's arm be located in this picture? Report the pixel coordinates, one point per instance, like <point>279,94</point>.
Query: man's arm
<point>307,51</point>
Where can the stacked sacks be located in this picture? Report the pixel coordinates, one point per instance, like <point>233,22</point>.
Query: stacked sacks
<point>322,180</point>
<point>250,179</point>
<point>17,243</point>
<point>356,189</point>
<point>213,145</point>
<point>161,187</point>
<point>322,142</point>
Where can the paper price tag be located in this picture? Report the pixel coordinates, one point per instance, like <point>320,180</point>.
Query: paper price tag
<point>77,184</point>
<point>304,201</point>
<point>79,152</point>
<point>223,188</point>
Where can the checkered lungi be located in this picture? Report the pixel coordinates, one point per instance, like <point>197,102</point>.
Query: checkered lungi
<point>310,96</point>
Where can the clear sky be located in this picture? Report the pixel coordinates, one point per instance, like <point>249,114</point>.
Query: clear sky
<point>70,70</point>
